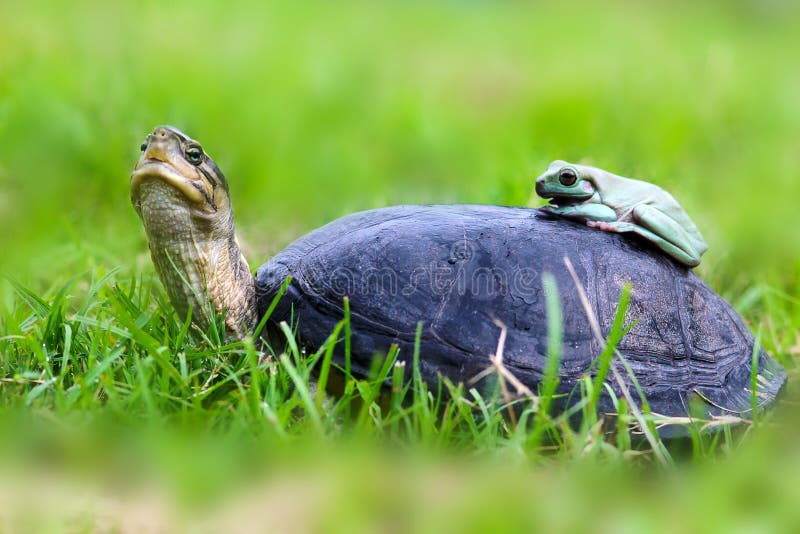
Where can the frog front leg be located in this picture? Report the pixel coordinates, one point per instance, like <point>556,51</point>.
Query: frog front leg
<point>583,212</point>
<point>661,230</point>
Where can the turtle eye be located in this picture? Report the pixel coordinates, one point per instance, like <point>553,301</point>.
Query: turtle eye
<point>194,155</point>
<point>567,177</point>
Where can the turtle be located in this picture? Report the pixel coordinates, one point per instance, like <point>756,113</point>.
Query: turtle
<point>447,280</point>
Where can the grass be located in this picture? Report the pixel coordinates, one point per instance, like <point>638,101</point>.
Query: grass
<point>317,111</point>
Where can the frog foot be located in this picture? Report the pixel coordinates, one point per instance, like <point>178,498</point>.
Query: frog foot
<point>615,226</point>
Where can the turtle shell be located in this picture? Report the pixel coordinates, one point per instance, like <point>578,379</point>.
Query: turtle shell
<point>459,269</point>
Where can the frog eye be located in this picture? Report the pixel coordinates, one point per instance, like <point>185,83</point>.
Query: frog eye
<point>143,147</point>
<point>567,177</point>
<point>194,154</point>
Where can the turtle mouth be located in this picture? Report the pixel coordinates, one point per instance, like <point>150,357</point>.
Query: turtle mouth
<point>153,169</point>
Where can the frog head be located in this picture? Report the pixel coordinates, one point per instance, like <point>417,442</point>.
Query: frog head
<point>566,184</point>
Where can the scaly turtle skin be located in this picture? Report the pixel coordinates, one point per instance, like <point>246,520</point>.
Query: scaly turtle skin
<point>456,269</point>
<point>183,200</point>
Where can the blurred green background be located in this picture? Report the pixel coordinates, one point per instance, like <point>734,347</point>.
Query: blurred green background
<point>318,109</point>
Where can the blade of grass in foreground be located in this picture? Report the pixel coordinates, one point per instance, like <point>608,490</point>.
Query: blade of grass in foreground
<point>659,450</point>
<point>550,380</point>
<point>327,360</point>
<point>754,378</point>
<point>554,340</point>
<point>615,335</point>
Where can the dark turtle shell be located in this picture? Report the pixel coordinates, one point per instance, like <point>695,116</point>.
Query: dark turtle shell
<point>458,269</point>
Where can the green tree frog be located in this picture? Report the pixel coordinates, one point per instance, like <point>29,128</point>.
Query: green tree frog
<point>616,204</point>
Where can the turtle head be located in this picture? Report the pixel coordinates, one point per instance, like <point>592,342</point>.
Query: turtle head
<point>170,157</point>
<point>183,200</point>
